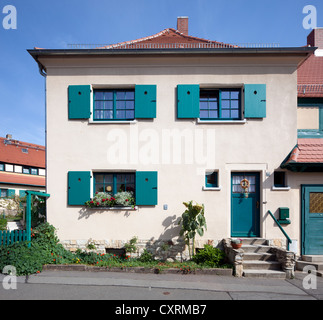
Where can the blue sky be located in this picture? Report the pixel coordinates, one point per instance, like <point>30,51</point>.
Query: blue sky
<point>55,24</point>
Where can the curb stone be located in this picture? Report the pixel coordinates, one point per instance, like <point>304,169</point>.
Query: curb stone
<point>82,267</point>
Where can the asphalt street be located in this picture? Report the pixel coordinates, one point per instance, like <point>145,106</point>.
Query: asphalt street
<point>121,286</point>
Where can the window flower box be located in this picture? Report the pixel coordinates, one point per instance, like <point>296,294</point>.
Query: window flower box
<point>121,200</point>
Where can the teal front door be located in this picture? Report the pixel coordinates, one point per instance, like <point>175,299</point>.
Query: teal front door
<point>312,219</point>
<point>245,204</point>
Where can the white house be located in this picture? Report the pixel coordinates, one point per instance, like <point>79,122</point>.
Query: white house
<point>174,118</point>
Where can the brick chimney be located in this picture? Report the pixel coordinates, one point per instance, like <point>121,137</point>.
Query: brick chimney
<point>182,25</point>
<point>315,38</point>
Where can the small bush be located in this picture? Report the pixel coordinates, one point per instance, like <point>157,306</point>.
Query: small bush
<point>209,256</point>
<point>146,257</point>
<point>43,249</point>
<point>3,224</point>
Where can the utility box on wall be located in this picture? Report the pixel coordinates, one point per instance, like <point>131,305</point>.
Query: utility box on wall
<point>284,215</point>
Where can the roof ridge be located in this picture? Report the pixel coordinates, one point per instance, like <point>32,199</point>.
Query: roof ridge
<point>158,34</point>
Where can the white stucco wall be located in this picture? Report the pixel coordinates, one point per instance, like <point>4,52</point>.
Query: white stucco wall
<point>256,145</point>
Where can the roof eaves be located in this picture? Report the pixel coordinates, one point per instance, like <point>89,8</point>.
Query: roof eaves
<point>235,50</point>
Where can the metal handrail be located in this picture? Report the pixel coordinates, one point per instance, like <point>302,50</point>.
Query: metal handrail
<point>281,229</point>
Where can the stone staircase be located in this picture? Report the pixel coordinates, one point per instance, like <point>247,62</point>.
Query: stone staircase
<point>259,260</point>
<point>314,261</point>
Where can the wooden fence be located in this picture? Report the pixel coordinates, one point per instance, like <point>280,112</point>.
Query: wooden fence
<point>9,237</point>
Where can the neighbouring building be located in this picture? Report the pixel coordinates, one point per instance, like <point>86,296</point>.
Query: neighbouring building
<point>22,167</point>
<point>173,118</point>
<point>305,162</point>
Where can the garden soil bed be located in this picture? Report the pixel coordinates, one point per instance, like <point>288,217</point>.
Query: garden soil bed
<point>82,267</point>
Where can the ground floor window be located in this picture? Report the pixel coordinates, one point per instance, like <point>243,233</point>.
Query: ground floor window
<point>114,182</point>
<point>3,193</point>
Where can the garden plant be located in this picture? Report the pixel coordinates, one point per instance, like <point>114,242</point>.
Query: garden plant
<point>44,248</point>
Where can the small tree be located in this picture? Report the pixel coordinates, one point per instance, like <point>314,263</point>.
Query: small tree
<point>192,221</point>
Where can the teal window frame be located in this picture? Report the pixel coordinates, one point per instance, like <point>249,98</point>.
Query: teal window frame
<point>110,101</point>
<point>114,178</point>
<point>280,179</point>
<point>34,171</point>
<point>3,193</point>
<point>314,103</point>
<point>215,102</point>
<point>26,170</point>
<point>211,179</point>
<point>1,166</point>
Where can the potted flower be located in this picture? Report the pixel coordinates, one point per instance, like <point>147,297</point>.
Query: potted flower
<point>106,200</point>
<point>236,243</point>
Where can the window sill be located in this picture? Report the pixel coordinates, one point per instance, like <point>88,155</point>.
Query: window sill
<point>113,208</point>
<point>198,120</point>
<point>273,188</point>
<point>212,189</point>
<point>91,121</point>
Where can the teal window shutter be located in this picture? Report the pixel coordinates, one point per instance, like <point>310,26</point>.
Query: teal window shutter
<point>78,187</point>
<point>22,193</point>
<point>188,101</point>
<point>79,102</point>
<point>11,193</point>
<point>145,101</point>
<point>255,101</point>
<point>146,188</point>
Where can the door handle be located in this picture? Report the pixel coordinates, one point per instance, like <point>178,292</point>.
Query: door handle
<point>257,204</point>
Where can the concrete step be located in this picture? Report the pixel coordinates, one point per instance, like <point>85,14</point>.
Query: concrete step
<point>264,274</point>
<point>261,265</point>
<point>312,258</point>
<point>255,248</point>
<point>301,264</point>
<point>263,256</point>
<point>253,241</point>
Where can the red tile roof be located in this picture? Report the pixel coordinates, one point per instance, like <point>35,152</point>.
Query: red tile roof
<point>11,152</point>
<point>22,179</point>
<point>310,78</point>
<point>307,151</point>
<point>170,38</point>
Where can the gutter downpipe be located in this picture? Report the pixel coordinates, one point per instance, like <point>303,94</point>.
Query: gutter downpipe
<point>42,72</point>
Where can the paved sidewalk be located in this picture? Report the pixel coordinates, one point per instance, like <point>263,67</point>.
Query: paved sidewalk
<point>154,286</point>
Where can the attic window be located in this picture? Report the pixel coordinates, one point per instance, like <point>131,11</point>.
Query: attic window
<point>24,150</point>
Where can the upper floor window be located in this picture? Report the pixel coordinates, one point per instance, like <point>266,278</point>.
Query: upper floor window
<point>114,105</point>
<point>223,104</point>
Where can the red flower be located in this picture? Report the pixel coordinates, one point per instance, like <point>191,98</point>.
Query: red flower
<point>98,203</point>
<point>103,200</point>
<point>127,200</point>
<point>91,201</point>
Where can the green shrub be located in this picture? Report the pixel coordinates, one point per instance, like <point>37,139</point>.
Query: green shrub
<point>44,249</point>
<point>209,256</point>
<point>3,224</point>
<point>146,257</point>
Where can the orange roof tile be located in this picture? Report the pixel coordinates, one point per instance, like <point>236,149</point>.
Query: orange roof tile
<point>169,37</point>
<point>310,78</point>
<point>307,151</point>
<point>11,152</point>
<point>22,179</point>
